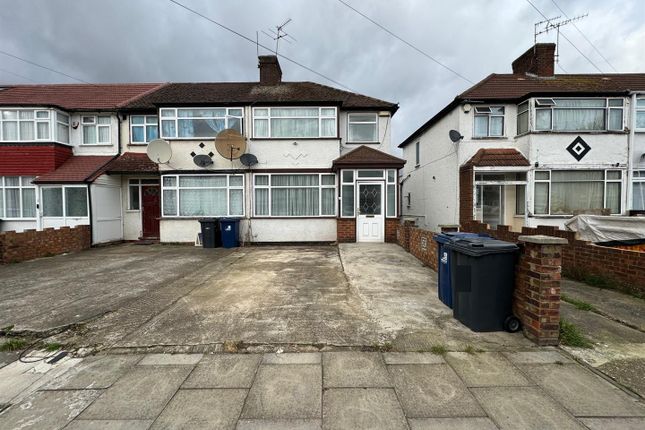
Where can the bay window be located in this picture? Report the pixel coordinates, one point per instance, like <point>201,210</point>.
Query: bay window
<point>640,114</point>
<point>96,129</point>
<point>65,201</point>
<point>638,190</point>
<point>523,117</point>
<point>143,128</point>
<point>564,192</point>
<point>362,128</point>
<point>291,122</point>
<point>294,195</point>
<point>197,123</point>
<point>489,121</point>
<point>202,195</point>
<point>596,114</point>
<point>17,197</point>
<point>29,125</point>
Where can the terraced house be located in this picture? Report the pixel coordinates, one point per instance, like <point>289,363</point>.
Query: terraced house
<point>530,148</point>
<point>76,154</point>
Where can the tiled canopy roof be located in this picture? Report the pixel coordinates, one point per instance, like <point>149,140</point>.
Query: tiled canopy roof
<point>74,96</point>
<point>364,156</point>
<point>77,169</point>
<point>498,157</point>
<point>132,162</point>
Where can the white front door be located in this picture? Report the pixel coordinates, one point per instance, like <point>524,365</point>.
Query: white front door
<point>370,218</point>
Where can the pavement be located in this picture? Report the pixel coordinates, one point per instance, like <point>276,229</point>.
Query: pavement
<point>537,389</point>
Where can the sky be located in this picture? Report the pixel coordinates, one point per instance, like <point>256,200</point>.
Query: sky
<point>158,41</point>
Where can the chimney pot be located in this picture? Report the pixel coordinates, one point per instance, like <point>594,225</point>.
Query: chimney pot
<point>270,71</point>
<point>539,60</point>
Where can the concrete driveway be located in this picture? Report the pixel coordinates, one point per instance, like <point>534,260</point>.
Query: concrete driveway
<point>175,298</point>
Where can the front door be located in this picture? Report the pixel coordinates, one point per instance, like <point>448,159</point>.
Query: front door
<point>370,220</point>
<point>491,204</point>
<point>150,211</point>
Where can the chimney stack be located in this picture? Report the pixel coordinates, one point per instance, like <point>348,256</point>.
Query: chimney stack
<point>539,60</point>
<point>270,71</point>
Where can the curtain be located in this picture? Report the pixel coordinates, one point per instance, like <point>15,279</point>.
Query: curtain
<point>578,119</point>
<point>236,202</point>
<point>13,202</point>
<point>152,132</point>
<point>638,194</point>
<point>294,180</point>
<point>542,119</point>
<point>294,127</point>
<point>327,206</point>
<point>261,127</point>
<point>137,134</point>
<point>496,126</point>
<point>541,198</point>
<point>568,196</point>
<point>481,125</point>
<point>169,202</point>
<point>168,128</point>
<point>53,202</point>
<point>89,134</point>
<point>202,181</point>
<point>10,130</point>
<point>186,128</point>
<point>612,200</point>
<point>294,202</point>
<point>362,133</point>
<point>206,202</point>
<point>76,202</point>
<point>29,203</point>
<point>262,201</point>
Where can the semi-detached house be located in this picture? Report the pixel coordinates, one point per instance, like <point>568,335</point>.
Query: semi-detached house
<point>323,172</point>
<point>530,148</point>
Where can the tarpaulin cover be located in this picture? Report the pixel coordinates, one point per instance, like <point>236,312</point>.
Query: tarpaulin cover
<point>596,228</point>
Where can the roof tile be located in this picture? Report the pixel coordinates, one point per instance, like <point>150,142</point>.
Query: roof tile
<point>79,168</point>
<point>132,162</point>
<point>498,157</point>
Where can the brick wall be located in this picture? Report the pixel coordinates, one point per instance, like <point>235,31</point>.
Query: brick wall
<point>465,194</point>
<point>391,224</point>
<point>418,242</point>
<point>345,230</point>
<point>30,244</point>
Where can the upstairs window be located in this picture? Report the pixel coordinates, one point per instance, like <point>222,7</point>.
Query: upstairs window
<point>96,129</point>
<point>199,123</point>
<point>640,114</point>
<point>362,128</point>
<point>579,114</point>
<point>287,123</point>
<point>143,128</point>
<point>489,121</point>
<point>417,154</point>
<point>62,127</point>
<point>523,117</point>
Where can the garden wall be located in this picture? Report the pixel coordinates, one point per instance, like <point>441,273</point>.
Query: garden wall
<point>30,244</point>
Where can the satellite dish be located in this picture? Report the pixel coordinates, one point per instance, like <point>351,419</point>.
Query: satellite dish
<point>230,144</point>
<point>455,136</point>
<point>159,151</point>
<point>203,160</point>
<point>248,160</point>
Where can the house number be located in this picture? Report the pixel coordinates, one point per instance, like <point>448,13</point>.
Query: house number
<point>424,243</point>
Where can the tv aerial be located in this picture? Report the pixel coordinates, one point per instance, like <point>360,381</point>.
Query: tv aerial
<point>159,151</point>
<point>230,144</point>
<point>279,34</point>
<point>551,24</point>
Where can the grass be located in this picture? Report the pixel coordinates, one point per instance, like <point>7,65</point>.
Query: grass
<point>579,304</point>
<point>52,346</point>
<point>570,335</point>
<point>13,345</point>
<point>470,350</point>
<point>438,349</point>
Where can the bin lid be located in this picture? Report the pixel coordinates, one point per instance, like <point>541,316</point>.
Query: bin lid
<point>229,220</point>
<point>452,236</point>
<point>208,219</point>
<point>479,246</point>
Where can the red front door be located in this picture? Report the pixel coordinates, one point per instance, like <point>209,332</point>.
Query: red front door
<point>150,211</point>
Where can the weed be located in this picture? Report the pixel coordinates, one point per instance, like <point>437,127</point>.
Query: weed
<point>570,335</point>
<point>385,347</point>
<point>52,346</point>
<point>13,345</point>
<point>470,349</point>
<point>579,304</point>
<point>438,349</point>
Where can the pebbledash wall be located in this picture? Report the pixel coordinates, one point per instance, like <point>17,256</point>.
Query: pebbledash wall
<point>29,244</point>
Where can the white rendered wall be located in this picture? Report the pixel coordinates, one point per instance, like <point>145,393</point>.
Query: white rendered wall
<point>18,226</point>
<point>291,230</point>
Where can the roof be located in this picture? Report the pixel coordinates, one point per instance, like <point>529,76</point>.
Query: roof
<point>132,162</point>
<point>498,157</point>
<point>515,88</point>
<point>77,169</point>
<point>229,93</point>
<point>74,96</point>
<point>364,156</point>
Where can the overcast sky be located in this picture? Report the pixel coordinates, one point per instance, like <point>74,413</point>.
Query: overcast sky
<point>155,40</point>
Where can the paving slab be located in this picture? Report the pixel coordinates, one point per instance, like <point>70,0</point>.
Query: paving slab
<point>362,408</point>
<point>288,391</point>
<point>142,393</point>
<point>452,424</point>
<point>170,359</point>
<point>412,358</point>
<point>109,425</point>
<point>600,328</point>
<point>279,425</point>
<point>202,409</point>
<point>432,390</point>
<point>629,372</point>
<point>354,369</point>
<point>47,409</point>
<point>224,371</point>
<point>292,358</point>
<point>537,357</point>
<point>582,392</point>
<point>614,423</point>
<point>94,372</point>
<point>485,369</point>
<point>526,408</point>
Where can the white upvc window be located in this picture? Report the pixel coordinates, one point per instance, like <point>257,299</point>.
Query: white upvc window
<point>96,129</point>
<point>134,192</point>
<point>640,114</point>
<point>577,114</point>
<point>197,123</point>
<point>143,128</point>
<point>294,122</point>
<point>489,121</point>
<point>190,196</point>
<point>17,197</point>
<point>523,117</point>
<point>294,195</point>
<point>348,179</point>
<point>67,201</point>
<point>563,192</point>
<point>638,190</point>
<point>31,125</point>
<point>62,127</point>
<point>362,128</point>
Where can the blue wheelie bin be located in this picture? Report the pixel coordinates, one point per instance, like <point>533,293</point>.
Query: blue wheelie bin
<point>230,228</point>
<point>444,286</point>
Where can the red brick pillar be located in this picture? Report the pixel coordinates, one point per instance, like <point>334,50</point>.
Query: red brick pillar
<point>536,301</point>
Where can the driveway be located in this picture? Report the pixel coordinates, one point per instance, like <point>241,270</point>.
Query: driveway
<point>177,298</point>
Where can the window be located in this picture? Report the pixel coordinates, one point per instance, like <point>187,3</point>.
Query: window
<point>301,122</point>
<point>17,197</point>
<point>638,190</point>
<point>523,117</point>
<point>65,202</point>
<point>563,192</point>
<point>62,127</point>
<point>134,192</point>
<point>579,114</point>
<point>640,114</point>
<point>28,125</point>
<point>347,193</point>
<point>489,121</point>
<point>417,154</point>
<point>143,128</point>
<point>390,194</point>
<point>199,123</point>
<point>96,130</point>
<point>362,128</point>
<point>520,199</point>
<point>299,195</point>
<point>202,195</point>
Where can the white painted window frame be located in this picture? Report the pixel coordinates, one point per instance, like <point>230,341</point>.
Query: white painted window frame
<point>51,121</point>
<point>490,116</point>
<point>228,189</point>
<point>145,126</point>
<point>320,186</point>
<point>375,122</point>
<point>64,201</point>
<point>553,107</point>
<point>637,110</point>
<point>320,117</point>
<point>175,117</point>
<point>97,126</point>
<point>21,186</point>
<point>384,178</point>
<point>138,183</point>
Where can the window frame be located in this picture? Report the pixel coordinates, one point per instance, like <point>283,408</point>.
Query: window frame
<point>20,187</point>
<point>145,126</point>
<point>523,110</point>
<point>638,177</point>
<point>607,108</point>
<point>268,118</point>
<point>417,153</point>
<point>480,112</point>
<point>376,127</point>
<point>228,189</point>
<point>637,110</point>
<point>175,118</point>
<point>356,178</point>
<point>51,120</point>
<point>139,183</point>
<point>97,126</point>
<point>320,187</point>
<point>63,189</point>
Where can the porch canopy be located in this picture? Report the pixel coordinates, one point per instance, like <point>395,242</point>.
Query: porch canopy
<point>132,162</point>
<point>366,157</point>
<point>77,169</point>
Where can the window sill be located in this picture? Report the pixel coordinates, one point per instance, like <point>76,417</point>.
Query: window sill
<point>490,138</point>
<point>138,144</point>
<point>197,218</point>
<point>91,145</point>
<point>294,138</point>
<point>133,210</point>
<point>578,132</point>
<point>362,143</point>
<point>294,217</point>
